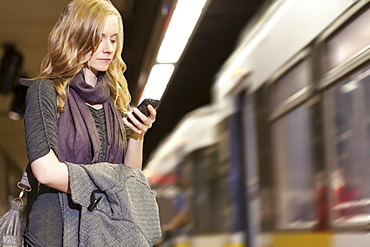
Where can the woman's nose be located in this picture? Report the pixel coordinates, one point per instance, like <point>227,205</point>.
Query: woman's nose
<point>108,47</point>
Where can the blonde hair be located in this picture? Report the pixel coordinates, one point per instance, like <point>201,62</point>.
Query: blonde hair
<point>77,33</point>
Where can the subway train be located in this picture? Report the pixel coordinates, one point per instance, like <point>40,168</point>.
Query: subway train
<point>280,158</point>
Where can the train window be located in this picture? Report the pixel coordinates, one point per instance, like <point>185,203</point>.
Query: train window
<point>290,83</point>
<point>293,158</point>
<point>210,200</point>
<point>348,41</point>
<point>347,113</point>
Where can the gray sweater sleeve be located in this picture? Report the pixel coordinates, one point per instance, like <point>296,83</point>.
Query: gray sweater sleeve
<point>40,120</point>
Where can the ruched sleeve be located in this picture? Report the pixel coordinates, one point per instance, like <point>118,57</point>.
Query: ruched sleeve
<point>40,119</point>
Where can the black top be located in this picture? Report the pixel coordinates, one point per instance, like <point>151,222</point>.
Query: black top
<point>41,121</point>
<point>45,218</point>
<point>99,118</point>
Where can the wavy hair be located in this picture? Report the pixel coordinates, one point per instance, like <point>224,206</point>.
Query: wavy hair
<point>78,32</point>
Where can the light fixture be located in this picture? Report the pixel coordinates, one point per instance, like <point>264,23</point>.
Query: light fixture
<point>183,21</point>
<point>157,81</point>
<point>180,28</point>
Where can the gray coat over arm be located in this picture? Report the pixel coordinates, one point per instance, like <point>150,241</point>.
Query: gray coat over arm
<point>126,215</point>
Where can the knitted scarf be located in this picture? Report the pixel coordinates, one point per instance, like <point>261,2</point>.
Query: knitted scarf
<point>78,139</point>
<point>78,142</point>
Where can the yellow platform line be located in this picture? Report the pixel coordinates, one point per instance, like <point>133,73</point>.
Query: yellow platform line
<point>236,245</point>
<point>182,245</point>
<point>302,240</point>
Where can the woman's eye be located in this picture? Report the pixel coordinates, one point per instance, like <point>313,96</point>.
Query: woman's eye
<point>113,41</point>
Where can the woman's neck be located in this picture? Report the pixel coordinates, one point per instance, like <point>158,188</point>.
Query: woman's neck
<point>90,77</point>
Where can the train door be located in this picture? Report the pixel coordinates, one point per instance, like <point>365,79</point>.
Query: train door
<point>251,172</point>
<point>244,178</point>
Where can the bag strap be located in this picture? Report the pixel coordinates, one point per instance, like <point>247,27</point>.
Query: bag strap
<point>24,181</point>
<point>24,186</point>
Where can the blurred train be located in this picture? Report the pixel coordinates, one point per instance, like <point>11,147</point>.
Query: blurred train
<point>280,158</point>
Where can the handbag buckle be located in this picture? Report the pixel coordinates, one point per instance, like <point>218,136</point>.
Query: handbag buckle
<point>23,189</point>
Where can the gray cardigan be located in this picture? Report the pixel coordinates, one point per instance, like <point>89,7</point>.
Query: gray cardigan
<point>126,215</point>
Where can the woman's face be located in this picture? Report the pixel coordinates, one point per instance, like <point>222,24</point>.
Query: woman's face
<point>103,56</point>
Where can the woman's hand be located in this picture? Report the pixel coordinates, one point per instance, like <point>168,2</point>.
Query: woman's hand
<point>138,129</point>
<point>134,151</point>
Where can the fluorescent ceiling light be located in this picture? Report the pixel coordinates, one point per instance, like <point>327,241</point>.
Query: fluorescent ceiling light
<point>180,28</point>
<point>157,81</point>
<point>183,21</point>
<point>171,50</point>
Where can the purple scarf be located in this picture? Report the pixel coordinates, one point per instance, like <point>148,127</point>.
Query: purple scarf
<point>78,139</point>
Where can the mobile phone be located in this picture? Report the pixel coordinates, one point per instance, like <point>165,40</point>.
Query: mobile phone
<point>143,107</point>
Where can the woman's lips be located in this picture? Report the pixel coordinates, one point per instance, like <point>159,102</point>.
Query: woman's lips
<point>104,60</point>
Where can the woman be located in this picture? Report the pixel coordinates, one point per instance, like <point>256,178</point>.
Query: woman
<point>74,114</point>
